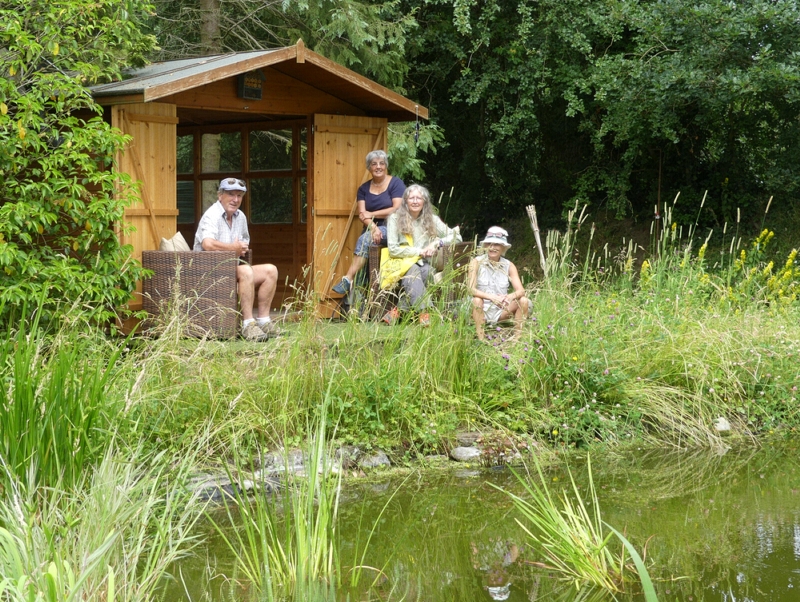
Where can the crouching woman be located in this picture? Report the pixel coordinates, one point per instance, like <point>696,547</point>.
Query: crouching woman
<point>490,276</point>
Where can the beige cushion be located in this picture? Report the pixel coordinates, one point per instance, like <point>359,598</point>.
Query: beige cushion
<point>176,243</point>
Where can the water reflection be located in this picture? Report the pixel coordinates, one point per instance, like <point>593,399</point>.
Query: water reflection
<point>715,528</point>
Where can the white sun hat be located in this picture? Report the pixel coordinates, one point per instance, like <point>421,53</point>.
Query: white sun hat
<point>497,235</point>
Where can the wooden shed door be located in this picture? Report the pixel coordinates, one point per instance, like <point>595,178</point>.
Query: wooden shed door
<point>341,144</point>
<point>150,159</point>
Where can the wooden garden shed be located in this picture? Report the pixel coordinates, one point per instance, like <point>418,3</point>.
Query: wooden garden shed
<point>294,125</point>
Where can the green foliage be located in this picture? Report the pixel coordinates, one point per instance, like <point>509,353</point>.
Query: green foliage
<point>569,532</point>
<point>406,145</point>
<point>618,103</point>
<point>54,414</point>
<point>288,551</point>
<point>369,37</point>
<point>114,534</point>
<point>61,200</point>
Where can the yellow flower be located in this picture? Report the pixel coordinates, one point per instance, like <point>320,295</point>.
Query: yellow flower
<point>790,260</point>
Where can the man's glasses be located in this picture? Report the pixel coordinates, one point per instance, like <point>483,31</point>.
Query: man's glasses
<point>233,181</point>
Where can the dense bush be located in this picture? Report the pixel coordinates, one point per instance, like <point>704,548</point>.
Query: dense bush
<point>61,199</point>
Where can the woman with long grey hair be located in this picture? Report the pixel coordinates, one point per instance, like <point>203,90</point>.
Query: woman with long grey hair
<point>414,230</point>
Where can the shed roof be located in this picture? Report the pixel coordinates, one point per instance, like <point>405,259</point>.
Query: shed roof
<point>159,80</point>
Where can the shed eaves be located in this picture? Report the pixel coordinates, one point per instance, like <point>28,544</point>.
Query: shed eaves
<point>162,79</point>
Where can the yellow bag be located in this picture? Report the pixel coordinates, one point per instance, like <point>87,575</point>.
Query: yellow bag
<point>394,268</point>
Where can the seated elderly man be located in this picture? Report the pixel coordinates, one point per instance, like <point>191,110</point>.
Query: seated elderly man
<point>223,227</point>
<point>490,276</point>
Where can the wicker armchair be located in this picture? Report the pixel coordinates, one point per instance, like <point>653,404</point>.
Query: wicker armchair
<point>201,284</point>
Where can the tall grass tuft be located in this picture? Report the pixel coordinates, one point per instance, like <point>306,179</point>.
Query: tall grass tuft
<point>287,545</point>
<point>113,535</point>
<point>54,414</point>
<point>573,536</point>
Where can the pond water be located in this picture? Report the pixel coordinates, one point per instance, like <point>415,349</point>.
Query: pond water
<point>717,527</point>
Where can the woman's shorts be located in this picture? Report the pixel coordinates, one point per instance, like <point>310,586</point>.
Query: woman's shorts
<point>491,311</point>
<point>365,241</point>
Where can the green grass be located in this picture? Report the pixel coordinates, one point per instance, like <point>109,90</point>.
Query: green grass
<point>617,351</point>
<point>286,545</point>
<point>54,415</point>
<point>112,535</point>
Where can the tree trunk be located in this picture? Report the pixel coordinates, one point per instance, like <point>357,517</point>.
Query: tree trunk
<point>210,43</point>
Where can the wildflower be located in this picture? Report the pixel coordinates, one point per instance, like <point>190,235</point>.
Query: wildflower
<point>644,273</point>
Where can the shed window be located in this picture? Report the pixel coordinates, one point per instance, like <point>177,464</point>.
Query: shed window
<point>270,150</point>
<point>222,153</point>
<point>271,201</point>
<point>269,157</point>
<point>185,202</point>
<point>186,154</point>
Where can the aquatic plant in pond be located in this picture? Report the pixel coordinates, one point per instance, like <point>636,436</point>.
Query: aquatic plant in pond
<point>286,546</point>
<point>572,537</point>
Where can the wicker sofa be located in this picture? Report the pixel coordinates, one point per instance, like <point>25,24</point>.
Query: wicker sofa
<point>198,285</point>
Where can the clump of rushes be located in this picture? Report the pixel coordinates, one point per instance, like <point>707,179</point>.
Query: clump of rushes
<point>575,540</point>
<point>113,535</point>
<point>54,413</point>
<point>291,553</point>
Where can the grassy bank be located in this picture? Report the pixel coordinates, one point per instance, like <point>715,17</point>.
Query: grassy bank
<point>616,351</point>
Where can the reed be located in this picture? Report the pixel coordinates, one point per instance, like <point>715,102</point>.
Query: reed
<point>573,536</point>
<point>54,413</point>
<point>287,546</point>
